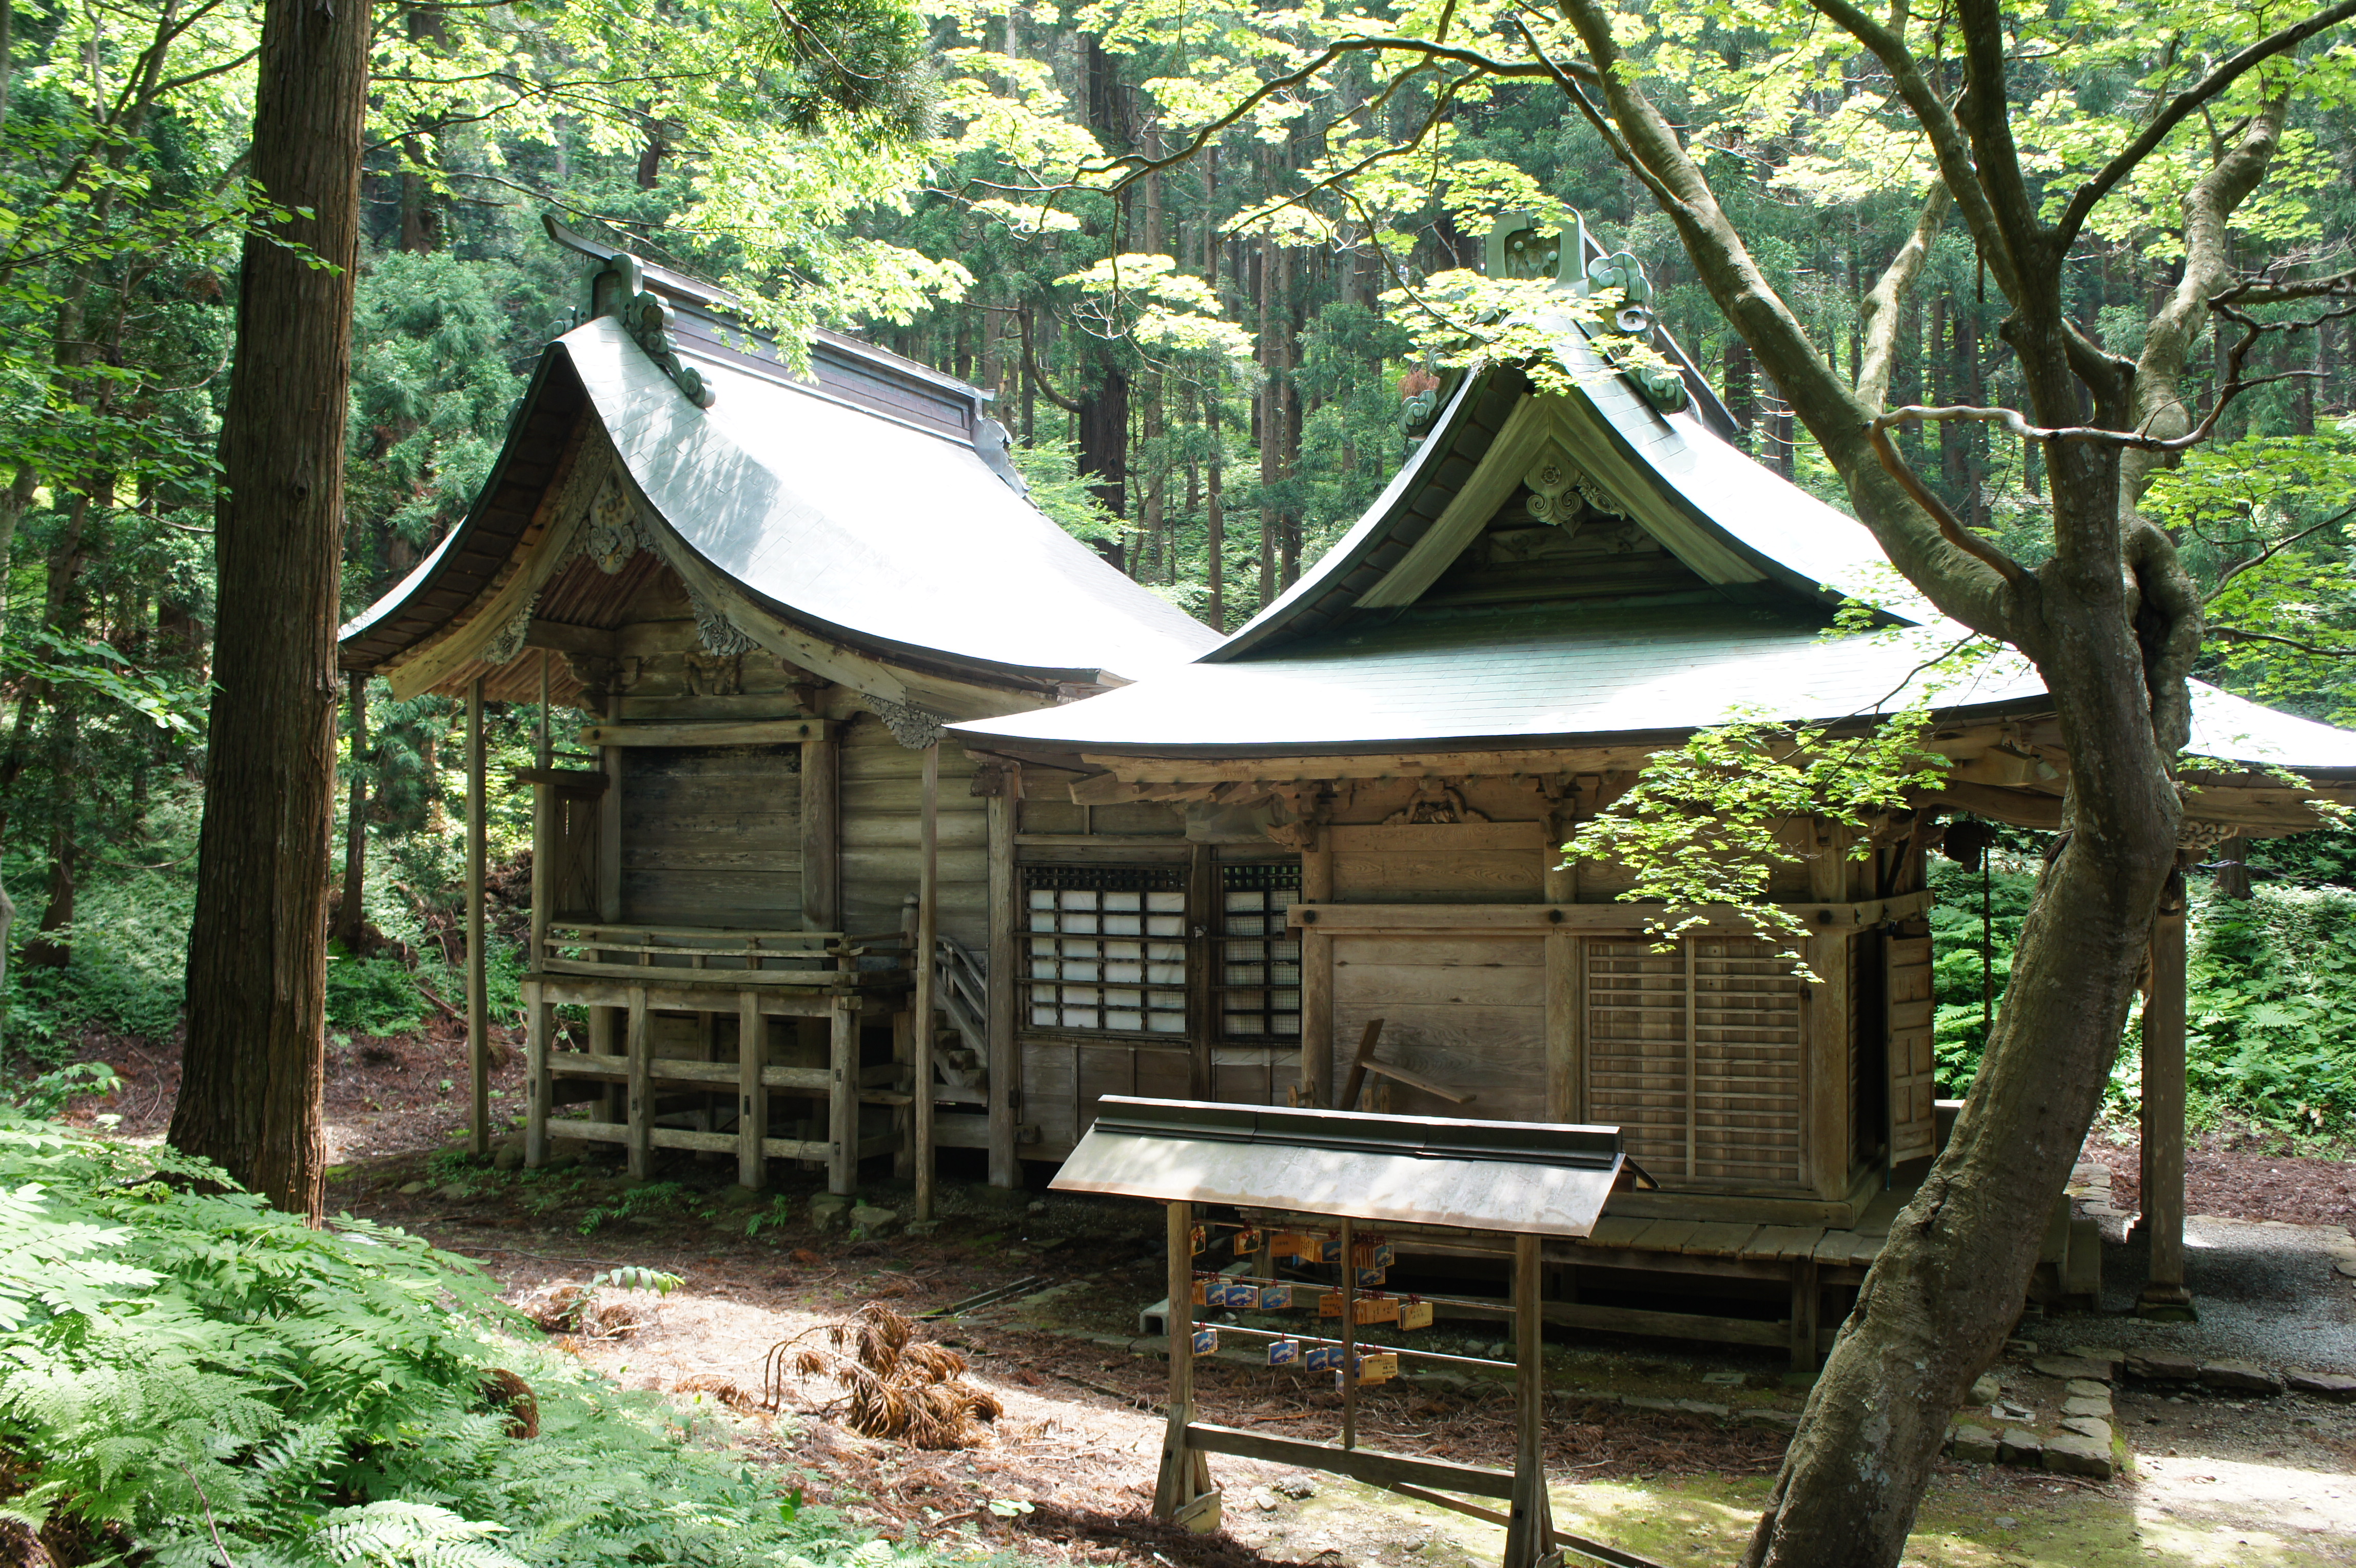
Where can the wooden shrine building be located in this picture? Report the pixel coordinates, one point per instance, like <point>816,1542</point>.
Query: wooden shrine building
<point>1340,830</point>
<point>766,590</point>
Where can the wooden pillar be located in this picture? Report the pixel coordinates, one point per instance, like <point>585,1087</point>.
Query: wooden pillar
<point>1565,1074</point>
<point>539,1017</point>
<point>752,1094</point>
<point>2165,1295</point>
<point>639,1049</point>
<point>1006,972</point>
<point>479,1042</point>
<point>1203,1020</point>
<point>1807,1299</point>
<point>842,1098</point>
<point>821,840</point>
<point>1529,1532</point>
<point>928,856</point>
<point>1317,974</point>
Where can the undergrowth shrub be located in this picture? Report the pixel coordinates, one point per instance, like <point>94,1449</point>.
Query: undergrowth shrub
<point>187,1376</point>
<point>2270,983</point>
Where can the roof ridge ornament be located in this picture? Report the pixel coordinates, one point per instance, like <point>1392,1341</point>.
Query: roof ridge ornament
<point>1520,248</point>
<point>620,291</point>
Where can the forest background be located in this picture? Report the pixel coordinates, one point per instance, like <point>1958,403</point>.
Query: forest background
<point>1203,373</point>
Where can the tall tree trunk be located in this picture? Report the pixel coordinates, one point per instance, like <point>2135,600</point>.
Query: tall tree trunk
<point>351,918</point>
<point>257,949</point>
<point>1214,516</point>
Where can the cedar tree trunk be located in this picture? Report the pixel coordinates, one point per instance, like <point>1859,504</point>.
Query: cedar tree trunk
<point>257,953</point>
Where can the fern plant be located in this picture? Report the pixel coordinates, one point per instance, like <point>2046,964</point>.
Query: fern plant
<point>190,1378</point>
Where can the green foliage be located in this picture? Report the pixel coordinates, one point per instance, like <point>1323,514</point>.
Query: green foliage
<point>373,996</point>
<point>2269,981</point>
<point>1708,824</point>
<point>189,1373</point>
<point>2272,982</point>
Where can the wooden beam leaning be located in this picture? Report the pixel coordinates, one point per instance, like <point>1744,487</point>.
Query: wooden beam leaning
<point>928,848</point>
<point>842,1098</point>
<point>638,1048</point>
<point>478,1042</point>
<point>752,1094</point>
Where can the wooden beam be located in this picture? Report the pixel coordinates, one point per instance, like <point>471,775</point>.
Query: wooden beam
<point>720,732</point>
<point>1005,1068</point>
<point>1359,1464</point>
<point>1136,778</point>
<point>1533,920</point>
<point>928,848</point>
<point>478,1041</point>
<point>581,780</point>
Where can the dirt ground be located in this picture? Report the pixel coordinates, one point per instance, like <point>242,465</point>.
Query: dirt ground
<point>2217,1479</point>
<point>1070,1466</point>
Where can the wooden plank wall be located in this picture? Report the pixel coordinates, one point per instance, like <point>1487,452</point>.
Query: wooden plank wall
<point>882,788</point>
<point>1466,1012</point>
<point>1913,1069</point>
<point>711,835</point>
<point>1462,862</point>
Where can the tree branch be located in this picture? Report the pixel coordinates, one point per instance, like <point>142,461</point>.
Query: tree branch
<point>2082,204</point>
<point>1948,143</point>
<point>1950,528</point>
<point>2277,548</point>
<point>2235,634</point>
<point>1962,583</point>
<point>1877,315</point>
<point>1987,119</point>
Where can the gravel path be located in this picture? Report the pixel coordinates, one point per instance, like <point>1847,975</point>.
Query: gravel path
<point>2266,1292</point>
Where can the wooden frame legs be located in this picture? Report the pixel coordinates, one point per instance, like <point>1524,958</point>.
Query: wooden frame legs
<point>1183,1490</point>
<point>842,1100</point>
<point>1529,1531</point>
<point>752,1094</point>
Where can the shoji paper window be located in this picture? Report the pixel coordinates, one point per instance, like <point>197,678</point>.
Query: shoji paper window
<point>1107,948</point>
<point>1260,959</point>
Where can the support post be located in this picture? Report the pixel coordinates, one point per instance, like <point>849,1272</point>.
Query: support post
<point>2165,1295</point>
<point>1349,1334</point>
<point>640,1049</point>
<point>752,1094</point>
<point>821,841</point>
<point>1565,1038</point>
<point>539,1017</point>
<point>1529,1533</point>
<point>1317,1075</point>
<point>842,1098</point>
<point>928,857</point>
<point>478,1044</point>
<point>1005,1065</point>
<point>1185,1475</point>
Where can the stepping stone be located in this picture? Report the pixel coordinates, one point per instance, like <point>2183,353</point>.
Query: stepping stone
<point>2088,1426</point>
<point>2099,1408</point>
<point>2163,1367</point>
<point>2087,1389</point>
<point>1703,1407</point>
<point>2346,1266</point>
<point>2239,1378</point>
<point>2322,1385</point>
<point>2068,1367</point>
<point>1784,1421</point>
<point>2019,1445</point>
<point>2073,1453</point>
<point>2103,1356</point>
<point>1975,1445</point>
<point>1988,1390</point>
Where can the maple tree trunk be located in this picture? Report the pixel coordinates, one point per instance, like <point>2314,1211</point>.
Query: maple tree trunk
<point>257,949</point>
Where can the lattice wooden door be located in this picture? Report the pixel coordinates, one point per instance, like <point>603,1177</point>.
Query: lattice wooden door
<point>1913,1069</point>
<point>1696,1053</point>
